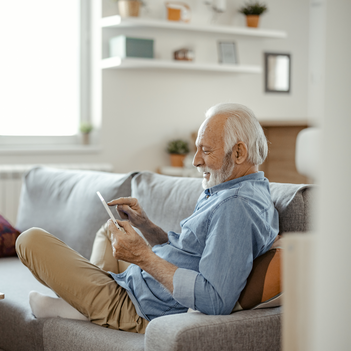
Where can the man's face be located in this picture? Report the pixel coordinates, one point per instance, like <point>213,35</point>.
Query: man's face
<point>210,157</point>
<point>214,177</point>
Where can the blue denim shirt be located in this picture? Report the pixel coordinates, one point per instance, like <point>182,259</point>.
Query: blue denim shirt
<point>232,224</point>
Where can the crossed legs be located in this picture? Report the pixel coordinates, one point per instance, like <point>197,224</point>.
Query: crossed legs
<point>86,289</point>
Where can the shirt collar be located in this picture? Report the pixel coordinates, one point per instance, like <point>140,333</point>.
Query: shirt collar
<point>230,183</point>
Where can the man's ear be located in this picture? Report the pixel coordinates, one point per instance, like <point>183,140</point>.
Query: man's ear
<point>239,154</point>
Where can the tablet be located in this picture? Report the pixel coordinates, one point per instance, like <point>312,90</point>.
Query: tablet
<point>109,211</point>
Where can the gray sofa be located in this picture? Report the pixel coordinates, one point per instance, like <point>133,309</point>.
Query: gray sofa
<point>65,203</point>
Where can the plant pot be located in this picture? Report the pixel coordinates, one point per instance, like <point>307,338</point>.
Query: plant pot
<point>85,138</point>
<point>252,20</point>
<point>177,160</point>
<point>129,8</point>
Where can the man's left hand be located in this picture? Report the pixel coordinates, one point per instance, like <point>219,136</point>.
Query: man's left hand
<point>128,246</point>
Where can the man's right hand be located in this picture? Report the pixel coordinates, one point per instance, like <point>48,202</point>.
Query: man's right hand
<point>129,208</point>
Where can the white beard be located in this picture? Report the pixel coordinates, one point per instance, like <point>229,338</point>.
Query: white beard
<point>218,176</point>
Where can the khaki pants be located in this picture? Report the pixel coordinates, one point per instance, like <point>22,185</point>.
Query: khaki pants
<point>84,285</point>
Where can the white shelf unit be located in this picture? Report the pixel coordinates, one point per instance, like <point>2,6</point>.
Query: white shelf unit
<point>118,22</point>
<point>118,63</point>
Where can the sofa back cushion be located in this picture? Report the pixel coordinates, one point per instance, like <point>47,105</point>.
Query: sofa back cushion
<point>294,204</point>
<point>65,203</point>
<point>168,200</point>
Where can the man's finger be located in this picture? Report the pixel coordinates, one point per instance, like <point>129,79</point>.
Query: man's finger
<point>124,209</point>
<point>111,225</point>
<point>113,228</point>
<point>124,224</point>
<point>122,201</point>
<point>122,214</point>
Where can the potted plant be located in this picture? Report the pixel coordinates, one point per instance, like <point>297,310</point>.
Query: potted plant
<point>85,128</point>
<point>252,10</point>
<point>129,8</point>
<point>177,150</point>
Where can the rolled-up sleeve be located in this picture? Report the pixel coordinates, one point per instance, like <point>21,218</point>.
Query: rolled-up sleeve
<point>184,286</point>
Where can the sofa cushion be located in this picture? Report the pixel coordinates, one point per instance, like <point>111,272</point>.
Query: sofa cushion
<point>67,334</point>
<point>166,200</point>
<point>241,331</point>
<point>8,236</point>
<point>293,202</point>
<point>65,203</point>
<point>19,330</point>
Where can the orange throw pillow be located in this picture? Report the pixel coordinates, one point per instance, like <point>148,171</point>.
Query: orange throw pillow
<point>264,284</point>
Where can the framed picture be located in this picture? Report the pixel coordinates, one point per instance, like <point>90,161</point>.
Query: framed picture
<point>277,72</point>
<point>227,52</point>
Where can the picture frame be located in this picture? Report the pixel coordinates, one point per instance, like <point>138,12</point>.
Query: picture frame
<point>277,72</point>
<point>227,52</point>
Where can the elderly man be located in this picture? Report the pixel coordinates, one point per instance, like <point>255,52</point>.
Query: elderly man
<point>205,267</point>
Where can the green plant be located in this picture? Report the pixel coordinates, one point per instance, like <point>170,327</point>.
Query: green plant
<point>86,127</point>
<point>253,8</point>
<point>178,146</point>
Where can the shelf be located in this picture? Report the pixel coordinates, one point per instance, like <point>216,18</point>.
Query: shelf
<point>118,22</point>
<point>118,63</point>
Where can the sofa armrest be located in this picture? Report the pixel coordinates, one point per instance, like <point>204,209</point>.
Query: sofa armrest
<point>244,330</point>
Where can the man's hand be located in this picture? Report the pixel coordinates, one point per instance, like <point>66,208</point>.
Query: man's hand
<point>129,208</point>
<point>128,246</point>
<point>131,247</point>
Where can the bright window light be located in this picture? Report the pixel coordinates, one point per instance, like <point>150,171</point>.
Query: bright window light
<point>39,67</point>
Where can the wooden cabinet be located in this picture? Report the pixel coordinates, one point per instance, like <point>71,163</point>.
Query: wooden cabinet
<point>280,163</point>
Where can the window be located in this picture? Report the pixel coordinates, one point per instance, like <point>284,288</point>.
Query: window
<point>43,70</point>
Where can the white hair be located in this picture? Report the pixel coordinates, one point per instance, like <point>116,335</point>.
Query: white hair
<point>242,125</point>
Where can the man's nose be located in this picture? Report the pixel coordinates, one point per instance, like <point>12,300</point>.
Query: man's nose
<point>197,160</point>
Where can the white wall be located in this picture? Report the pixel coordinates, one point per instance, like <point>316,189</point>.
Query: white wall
<point>152,107</point>
<point>143,109</point>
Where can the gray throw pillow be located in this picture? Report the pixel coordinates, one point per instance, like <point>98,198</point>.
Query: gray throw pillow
<point>64,203</point>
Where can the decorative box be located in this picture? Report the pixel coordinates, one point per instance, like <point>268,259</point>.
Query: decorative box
<point>125,47</point>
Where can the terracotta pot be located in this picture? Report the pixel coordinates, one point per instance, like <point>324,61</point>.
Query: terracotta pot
<point>128,8</point>
<point>177,160</point>
<point>252,20</point>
